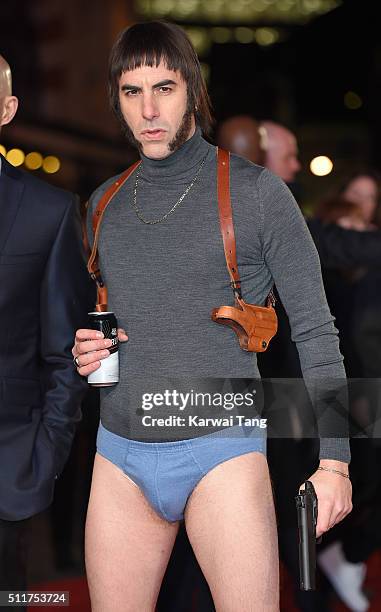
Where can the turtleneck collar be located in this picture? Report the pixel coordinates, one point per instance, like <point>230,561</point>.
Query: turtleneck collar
<point>180,165</point>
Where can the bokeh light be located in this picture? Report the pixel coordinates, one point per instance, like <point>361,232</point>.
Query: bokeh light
<point>51,164</point>
<point>3,150</point>
<point>200,39</point>
<point>266,36</point>
<point>33,161</point>
<point>321,165</point>
<point>244,35</point>
<point>352,100</point>
<point>220,35</point>
<point>236,11</point>
<point>16,157</point>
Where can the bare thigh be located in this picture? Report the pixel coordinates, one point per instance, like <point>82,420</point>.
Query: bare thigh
<point>127,544</point>
<point>230,520</point>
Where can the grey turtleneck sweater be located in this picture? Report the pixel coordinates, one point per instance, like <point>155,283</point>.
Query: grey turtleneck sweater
<point>164,280</point>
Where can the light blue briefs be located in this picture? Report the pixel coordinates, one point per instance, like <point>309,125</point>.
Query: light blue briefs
<point>167,472</point>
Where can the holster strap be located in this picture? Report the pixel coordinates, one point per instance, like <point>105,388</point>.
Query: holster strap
<point>227,226</point>
<point>226,218</point>
<point>92,264</point>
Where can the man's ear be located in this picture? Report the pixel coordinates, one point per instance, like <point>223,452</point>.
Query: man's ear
<point>9,109</point>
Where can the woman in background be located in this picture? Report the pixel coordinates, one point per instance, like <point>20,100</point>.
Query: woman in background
<point>354,296</point>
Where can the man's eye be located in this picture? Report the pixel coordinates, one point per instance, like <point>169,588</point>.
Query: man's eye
<point>165,89</point>
<point>130,92</point>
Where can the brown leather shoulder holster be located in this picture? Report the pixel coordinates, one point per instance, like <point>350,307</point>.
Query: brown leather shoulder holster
<point>93,262</point>
<point>254,325</point>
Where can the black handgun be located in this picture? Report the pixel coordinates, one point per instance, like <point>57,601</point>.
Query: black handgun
<point>307,511</point>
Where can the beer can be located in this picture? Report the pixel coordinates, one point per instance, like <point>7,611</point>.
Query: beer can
<point>108,372</point>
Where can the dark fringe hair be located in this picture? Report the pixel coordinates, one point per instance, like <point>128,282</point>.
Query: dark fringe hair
<point>147,44</point>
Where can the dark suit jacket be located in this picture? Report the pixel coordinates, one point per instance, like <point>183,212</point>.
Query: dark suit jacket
<point>45,294</point>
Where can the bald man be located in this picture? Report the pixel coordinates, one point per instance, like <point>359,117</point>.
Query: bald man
<point>241,135</point>
<point>8,103</point>
<point>280,150</point>
<point>45,295</point>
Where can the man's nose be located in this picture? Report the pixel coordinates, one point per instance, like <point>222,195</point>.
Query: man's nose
<point>150,108</point>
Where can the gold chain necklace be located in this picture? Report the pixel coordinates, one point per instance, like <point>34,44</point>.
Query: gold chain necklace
<point>155,221</point>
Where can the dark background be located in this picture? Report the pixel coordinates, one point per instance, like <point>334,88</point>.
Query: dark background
<point>58,52</point>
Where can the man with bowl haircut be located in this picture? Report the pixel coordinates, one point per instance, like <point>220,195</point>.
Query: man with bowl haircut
<point>162,259</point>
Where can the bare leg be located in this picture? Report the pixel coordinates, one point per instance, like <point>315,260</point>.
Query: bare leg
<point>127,544</point>
<point>231,525</point>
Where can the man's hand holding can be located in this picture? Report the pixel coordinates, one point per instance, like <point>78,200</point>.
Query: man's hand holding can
<point>90,347</point>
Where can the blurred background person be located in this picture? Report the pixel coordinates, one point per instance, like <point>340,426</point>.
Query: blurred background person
<point>46,294</point>
<point>351,290</point>
<point>354,295</point>
<point>242,135</point>
<point>364,190</point>
<point>280,151</point>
